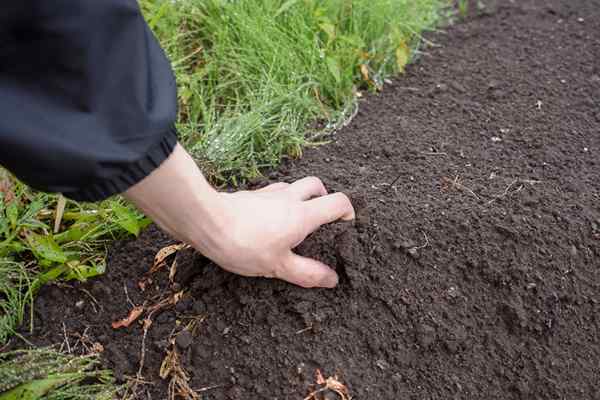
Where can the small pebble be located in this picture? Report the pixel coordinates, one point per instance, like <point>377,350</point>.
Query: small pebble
<point>80,304</point>
<point>382,364</point>
<point>413,252</point>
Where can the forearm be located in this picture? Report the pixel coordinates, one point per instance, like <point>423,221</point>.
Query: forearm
<point>180,200</point>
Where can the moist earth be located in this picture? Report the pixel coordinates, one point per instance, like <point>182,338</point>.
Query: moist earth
<point>472,270</point>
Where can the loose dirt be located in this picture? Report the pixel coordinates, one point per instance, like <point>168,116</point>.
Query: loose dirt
<point>471,272</point>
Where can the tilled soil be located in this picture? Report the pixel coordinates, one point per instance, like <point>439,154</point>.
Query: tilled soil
<point>471,272</point>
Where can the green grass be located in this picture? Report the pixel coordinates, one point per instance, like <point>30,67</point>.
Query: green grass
<point>254,74</point>
<point>31,253</point>
<point>50,375</point>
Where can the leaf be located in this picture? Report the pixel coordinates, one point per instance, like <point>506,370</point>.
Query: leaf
<point>125,322</point>
<point>402,56</point>
<point>60,210</point>
<point>83,272</point>
<point>364,70</point>
<point>163,253</point>
<point>126,219</point>
<point>329,29</point>
<point>286,6</point>
<point>37,389</point>
<point>334,68</point>
<point>45,248</point>
<point>12,213</point>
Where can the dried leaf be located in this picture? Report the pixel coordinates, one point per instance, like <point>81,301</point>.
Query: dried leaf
<point>331,383</point>
<point>173,271</point>
<point>133,315</point>
<point>60,210</point>
<point>402,56</point>
<point>163,254</point>
<point>320,379</point>
<point>364,70</point>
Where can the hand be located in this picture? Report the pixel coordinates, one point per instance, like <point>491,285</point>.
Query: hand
<point>260,229</point>
<point>251,233</point>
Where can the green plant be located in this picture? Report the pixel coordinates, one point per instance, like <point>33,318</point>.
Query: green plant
<point>32,253</point>
<point>51,375</point>
<point>15,295</point>
<point>253,75</point>
<point>463,8</point>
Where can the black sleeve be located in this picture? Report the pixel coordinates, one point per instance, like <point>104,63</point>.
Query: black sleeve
<point>87,96</point>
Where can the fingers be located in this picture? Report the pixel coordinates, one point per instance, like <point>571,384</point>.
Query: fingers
<point>273,187</point>
<point>307,188</point>
<point>307,272</point>
<point>326,209</point>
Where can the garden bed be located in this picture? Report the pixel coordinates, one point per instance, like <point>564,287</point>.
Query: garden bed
<point>471,270</point>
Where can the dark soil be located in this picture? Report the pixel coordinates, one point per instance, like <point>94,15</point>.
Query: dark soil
<point>472,271</point>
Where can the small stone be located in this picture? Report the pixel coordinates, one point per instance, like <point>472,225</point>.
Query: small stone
<point>226,330</point>
<point>80,304</point>
<point>441,87</point>
<point>413,252</point>
<point>382,364</point>
<point>184,339</point>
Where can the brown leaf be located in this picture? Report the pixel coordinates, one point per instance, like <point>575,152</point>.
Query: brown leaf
<point>163,254</point>
<point>320,379</point>
<point>331,383</point>
<point>125,322</point>
<point>364,70</point>
<point>173,271</point>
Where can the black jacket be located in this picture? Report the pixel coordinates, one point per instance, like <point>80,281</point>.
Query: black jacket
<point>87,96</point>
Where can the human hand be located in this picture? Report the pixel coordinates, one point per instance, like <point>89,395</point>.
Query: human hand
<point>251,233</point>
<point>260,228</point>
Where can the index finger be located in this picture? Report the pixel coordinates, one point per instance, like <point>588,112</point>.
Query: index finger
<point>326,209</point>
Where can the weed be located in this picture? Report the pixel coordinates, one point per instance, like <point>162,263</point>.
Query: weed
<point>253,74</point>
<point>51,375</point>
<point>463,8</point>
<point>15,295</point>
<point>32,253</point>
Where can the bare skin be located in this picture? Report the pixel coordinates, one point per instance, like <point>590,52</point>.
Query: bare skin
<point>250,233</point>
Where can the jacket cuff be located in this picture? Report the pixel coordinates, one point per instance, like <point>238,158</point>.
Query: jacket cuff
<point>131,175</point>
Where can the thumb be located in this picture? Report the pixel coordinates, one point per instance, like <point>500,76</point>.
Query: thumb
<point>308,273</point>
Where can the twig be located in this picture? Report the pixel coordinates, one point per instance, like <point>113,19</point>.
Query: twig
<point>308,328</point>
<point>94,301</point>
<point>506,192</point>
<point>207,388</point>
<point>66,338</point>
<point>426,242</point>
<point>127,296</point>
<point>456,183</point>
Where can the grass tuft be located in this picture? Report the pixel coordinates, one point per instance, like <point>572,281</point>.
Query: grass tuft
<point>51,375</point>
<point>253,75</point>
